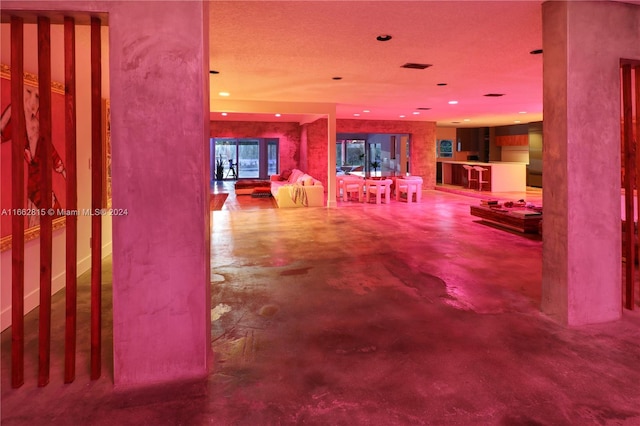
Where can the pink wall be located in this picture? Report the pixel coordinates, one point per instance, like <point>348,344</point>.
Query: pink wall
<point>288,134</point>
<point>581,182</point>
<point>317,152</point>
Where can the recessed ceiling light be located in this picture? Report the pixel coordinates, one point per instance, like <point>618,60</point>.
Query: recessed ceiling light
<point>536,52</point>
<point>224,114</point>
<point>384,37</point>
<point>415,66</point>
<point>494,95</point>
<point>467,119</point>
<point>416,112</point>
<point>337,78</point>
<point>224,93</point>
<point>522,112</point>
<point>277,115</point>
<point>441,84</point>
<point>214,72</point>
<point>517,121</point>
<point>356,115</point>
<point>365,110</point>
<point>402,116</point>
<point>453,102</point>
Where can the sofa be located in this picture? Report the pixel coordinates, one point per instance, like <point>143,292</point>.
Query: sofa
<point>295,188</point>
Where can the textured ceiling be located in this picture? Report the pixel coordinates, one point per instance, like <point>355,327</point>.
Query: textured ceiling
<point>289,51</point>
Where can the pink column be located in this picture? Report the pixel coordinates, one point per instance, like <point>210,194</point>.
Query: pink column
<point>160,113</point>
<point>581,181</point>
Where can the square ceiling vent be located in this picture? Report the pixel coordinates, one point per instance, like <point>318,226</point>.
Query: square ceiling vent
<point>415,66</point>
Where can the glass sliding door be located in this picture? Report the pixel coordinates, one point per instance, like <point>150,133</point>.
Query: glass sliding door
<point>375,154</point>
<point>272,158</point>
<point>226,153</point>
<point>246,158</point>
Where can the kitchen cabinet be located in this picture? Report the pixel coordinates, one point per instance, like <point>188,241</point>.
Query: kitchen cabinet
<point>468,139</point>
<point>512,140</point>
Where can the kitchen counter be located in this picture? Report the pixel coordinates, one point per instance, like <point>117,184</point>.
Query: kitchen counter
<point>501,176</point>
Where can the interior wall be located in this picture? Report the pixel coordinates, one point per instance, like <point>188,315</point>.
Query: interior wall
<point>83,123</point>
<point>289,135</point>
<point>317,151</point>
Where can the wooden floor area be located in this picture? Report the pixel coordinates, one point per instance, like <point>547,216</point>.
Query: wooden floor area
<point>240,202</point>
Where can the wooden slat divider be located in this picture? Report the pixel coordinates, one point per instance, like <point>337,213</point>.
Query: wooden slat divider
<point>18,143</point>
<point>44,158</point>
<point>96,199</point>
<point>629,181</point>
<point>71,200</point>
<point>637,150</point>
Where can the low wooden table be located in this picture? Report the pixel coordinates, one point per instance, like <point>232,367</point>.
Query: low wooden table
<point>509,219</point>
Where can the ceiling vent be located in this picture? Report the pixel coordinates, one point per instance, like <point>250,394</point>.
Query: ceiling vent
<point>423,108</point>
<point>494,95</point>
<point>415,66</point>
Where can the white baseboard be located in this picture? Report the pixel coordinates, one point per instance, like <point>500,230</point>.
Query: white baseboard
<point>32,300</point>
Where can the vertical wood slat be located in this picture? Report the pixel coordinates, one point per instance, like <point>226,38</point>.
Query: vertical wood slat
<point>629,180</point>
<point>18,143</point>
<point>96,199</point>
<point>637,133</point>
<point>45,160</point>
<point>71,200</point>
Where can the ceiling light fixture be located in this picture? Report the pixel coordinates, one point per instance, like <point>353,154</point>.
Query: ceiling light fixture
<point>416,112</point>
<point>441,84</point>
<point>453,102</point>
<point>494,95</point>
<point>277,115</point>
<point>517,121</point>
<point>536,52</point>
<point>384,37</point>
<point>214,72</point>
<point>467,119</point>
<point>337,78</point>
<point>365,110</point>
<point>423,108</point>
<point>356,115</point>
<point>224,93</point>
<point>522,112</point>
<point>402,116</point>
<point>224,114</point>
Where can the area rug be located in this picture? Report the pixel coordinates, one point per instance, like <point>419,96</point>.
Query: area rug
<point>217,201</point>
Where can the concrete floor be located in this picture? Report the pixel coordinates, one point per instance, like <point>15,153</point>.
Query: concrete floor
<point>394,314</point>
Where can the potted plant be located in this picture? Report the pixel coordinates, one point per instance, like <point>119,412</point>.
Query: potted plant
<point>219,168</point>
<point>375,164</point>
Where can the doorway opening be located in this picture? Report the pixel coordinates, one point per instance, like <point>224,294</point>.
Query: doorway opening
<point>372,154</point>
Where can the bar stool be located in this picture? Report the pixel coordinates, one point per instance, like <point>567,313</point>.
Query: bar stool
<point>469,170</point>
<point>480,181</point>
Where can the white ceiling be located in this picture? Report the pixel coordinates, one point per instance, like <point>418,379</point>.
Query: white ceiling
<point>289,51</point>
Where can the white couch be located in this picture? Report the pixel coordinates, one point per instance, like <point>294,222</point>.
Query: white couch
<point>298,190</point>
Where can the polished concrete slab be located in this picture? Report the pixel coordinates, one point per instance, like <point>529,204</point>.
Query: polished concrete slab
<point>391,314</point>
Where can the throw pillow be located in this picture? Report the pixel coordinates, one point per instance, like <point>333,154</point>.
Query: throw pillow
<point>285,174</point>
<point>295,174</point>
